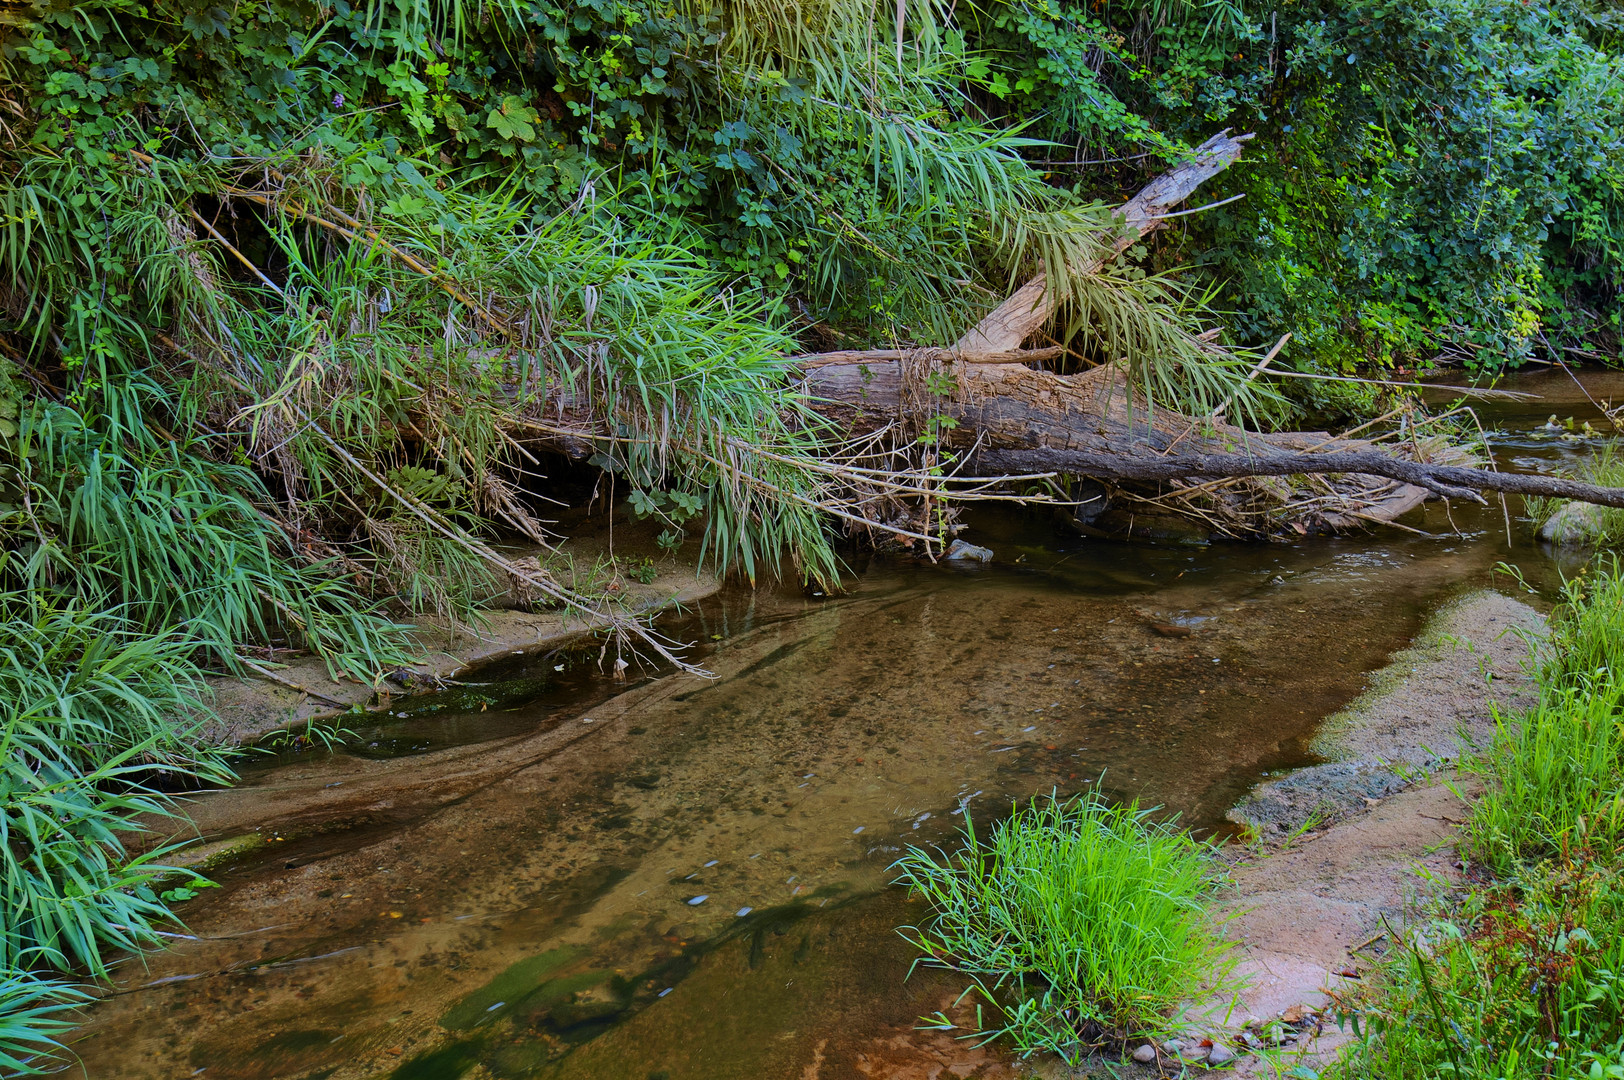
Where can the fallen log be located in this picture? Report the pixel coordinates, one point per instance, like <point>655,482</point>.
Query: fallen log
<point>928,355</point>
<point>1448,481</point>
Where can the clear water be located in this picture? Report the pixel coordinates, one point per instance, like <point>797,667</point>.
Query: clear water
<point>681,877</point>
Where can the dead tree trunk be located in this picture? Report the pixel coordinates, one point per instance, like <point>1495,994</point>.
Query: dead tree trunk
<point>1021,420</point>
<point>1031,306</point>
<point>998,338</point>
<point>1448,481</point>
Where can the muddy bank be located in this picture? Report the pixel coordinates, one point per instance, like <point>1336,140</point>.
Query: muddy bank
<point>249,708</point>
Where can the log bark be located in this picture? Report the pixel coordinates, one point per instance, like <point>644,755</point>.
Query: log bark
<point>944,356</point>
<point>1449,481</point>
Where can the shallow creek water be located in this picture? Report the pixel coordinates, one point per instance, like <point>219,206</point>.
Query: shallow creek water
<point>686,878</point>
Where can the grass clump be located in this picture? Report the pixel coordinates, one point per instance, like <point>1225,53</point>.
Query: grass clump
<point>1556,774</point>
<point>1521,975</point>
<point>29,1021</point>
<point>1086,924</point>
<point>94,734</point>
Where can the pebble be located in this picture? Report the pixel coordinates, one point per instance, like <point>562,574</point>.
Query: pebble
<point>1220,1055</point>
<point>1145,1054</point>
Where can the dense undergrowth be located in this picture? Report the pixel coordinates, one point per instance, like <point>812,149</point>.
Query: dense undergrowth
<point>1524,975</point>
<point>1082,924</point>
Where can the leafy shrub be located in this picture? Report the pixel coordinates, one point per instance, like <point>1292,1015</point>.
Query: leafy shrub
<point>1525,980</point>
<point>1084,922</point>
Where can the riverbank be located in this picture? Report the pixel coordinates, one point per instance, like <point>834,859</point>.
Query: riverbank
<point>1366,840</point>
<point>301,690</point>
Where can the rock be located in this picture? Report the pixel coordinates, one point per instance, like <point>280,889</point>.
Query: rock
<point>1193,1052</point>
<point>958,549</point>
<point>1145,1055</point>
<point>1220,1055</point>
<point>1574,524</point>
<point>1172,1046</point>
<point>1324,794</point>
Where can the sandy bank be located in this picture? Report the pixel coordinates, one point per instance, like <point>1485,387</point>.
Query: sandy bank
<point>1417,716</point>
<point>1311,913</point>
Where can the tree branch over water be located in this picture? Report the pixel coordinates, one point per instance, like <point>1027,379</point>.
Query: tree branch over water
<point>1449,481</point>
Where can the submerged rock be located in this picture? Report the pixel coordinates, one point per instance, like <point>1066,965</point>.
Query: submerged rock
<point>959,549</point>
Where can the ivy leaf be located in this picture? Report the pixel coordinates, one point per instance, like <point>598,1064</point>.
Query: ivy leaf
<point>645,503</point>
<point>203,23</point>
<point>514,120</point>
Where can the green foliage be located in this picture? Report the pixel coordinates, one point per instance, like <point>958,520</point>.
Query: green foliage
<point>1442,177</point>
<point>172,538</point>
<point>1429,178</point>
<point>30,1020</point>
<point>92,728</point>
<point>1083,922</point>
<point>1522,982</point>
<point>1556,774</point>
<point>1525,977</point>
<point>98,720</point>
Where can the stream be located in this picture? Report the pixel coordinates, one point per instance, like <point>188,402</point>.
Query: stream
<point>678,877</point>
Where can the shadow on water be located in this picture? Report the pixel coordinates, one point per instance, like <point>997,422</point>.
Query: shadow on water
<point>677,877</point>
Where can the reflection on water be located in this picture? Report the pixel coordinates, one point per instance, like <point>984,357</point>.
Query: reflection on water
<point>686,877</point>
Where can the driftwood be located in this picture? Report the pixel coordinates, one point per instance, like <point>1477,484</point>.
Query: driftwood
<point>1092,424</point>
<point>1031,306</point>
<point>998,338</point>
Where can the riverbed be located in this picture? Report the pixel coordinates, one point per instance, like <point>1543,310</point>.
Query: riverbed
<point>680,876</point>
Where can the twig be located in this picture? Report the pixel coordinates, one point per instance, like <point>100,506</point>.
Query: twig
<point>1367,942</point>
<point>267,673</point>
<point>257,272</point>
